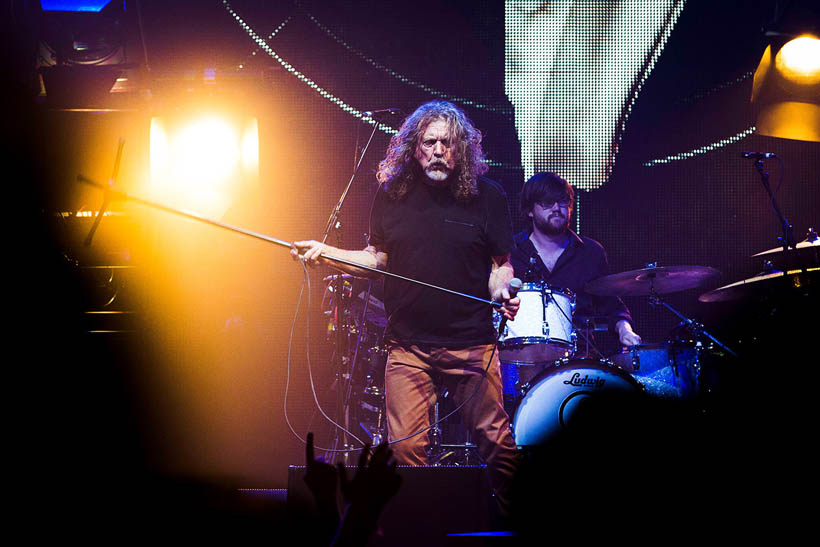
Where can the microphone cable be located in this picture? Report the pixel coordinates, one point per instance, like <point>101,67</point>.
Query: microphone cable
<point>306,283</point>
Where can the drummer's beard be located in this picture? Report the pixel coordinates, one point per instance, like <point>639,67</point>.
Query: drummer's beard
<point>556,224</point>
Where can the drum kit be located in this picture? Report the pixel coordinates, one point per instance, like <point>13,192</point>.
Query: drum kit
<point>547,366</point>
<point>544,385</point>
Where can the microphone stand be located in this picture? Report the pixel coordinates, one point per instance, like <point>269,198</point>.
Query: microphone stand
<point>281,242</point>
<point>346,376</point>
<point>333,221</point>
<point>788,233</point>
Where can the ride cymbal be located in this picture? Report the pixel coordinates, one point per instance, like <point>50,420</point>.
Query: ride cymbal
<point>652,280</point>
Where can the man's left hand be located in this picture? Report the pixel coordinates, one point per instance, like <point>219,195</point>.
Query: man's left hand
<point>626,335</point>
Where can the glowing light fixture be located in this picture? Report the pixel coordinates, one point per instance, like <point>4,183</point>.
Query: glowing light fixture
<point>799,60</point>
<point>200,163</point>
<point>786,90</point>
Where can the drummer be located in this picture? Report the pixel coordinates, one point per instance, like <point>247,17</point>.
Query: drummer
<point>549,251</point>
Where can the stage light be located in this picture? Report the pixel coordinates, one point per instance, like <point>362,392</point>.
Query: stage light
<point>84,48</point>
<point>199,163</point>
<point>799,60</point>
<point>786,89</point>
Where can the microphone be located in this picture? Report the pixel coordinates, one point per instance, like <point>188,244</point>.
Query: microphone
<point>373,113</point>
<point>515,286</point>
<point>758,155</point>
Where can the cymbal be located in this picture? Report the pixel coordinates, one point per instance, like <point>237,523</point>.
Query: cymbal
<point>759,284</point>
<point>805,244</point>
<point>653,280</point>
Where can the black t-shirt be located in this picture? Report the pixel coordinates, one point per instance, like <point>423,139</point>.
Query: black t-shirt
<point>430,236</point>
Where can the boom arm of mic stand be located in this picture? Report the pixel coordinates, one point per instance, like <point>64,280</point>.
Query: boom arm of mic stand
<point>277,241</point>
<point>788,233</point>
<point>334,215</point>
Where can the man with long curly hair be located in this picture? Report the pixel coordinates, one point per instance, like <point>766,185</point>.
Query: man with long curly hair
<point>436,219</point>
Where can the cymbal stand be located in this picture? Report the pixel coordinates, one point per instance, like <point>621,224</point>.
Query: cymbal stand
<point>695,327</point>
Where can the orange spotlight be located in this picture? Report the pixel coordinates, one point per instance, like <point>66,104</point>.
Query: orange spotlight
<point>786,90</point>
<point>199,163</point>
<point>799,60</point>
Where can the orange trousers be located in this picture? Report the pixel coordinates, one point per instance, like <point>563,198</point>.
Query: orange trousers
<point>414,376</point>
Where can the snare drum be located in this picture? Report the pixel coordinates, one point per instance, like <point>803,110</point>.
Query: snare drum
<point>542,331</point>
<point>667,370</point>
<point>558,391</point>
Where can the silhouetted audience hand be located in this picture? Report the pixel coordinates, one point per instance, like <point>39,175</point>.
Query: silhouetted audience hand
<point>321,479</point>
<point>373,485</point>
<point>320,476</point>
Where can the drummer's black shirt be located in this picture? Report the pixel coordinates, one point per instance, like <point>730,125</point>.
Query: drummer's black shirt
<point>430,236</point>
<point>583,260</point>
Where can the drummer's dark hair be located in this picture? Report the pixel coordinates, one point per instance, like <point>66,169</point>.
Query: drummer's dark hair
<point>544,186</point>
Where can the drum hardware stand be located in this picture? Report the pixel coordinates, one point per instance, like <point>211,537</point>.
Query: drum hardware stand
<point>374,431</point>
<point>589,327</point>
<point>437,451</point>
<point>434,449</point>
<point>696,328</point>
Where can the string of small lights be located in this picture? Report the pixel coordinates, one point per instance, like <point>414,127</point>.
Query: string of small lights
<point>263,45</point>
<point>724,85</point>
<point>505,110</point>
<point>702,150</point>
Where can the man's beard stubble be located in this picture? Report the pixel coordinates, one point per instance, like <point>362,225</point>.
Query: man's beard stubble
<point>546,226</point>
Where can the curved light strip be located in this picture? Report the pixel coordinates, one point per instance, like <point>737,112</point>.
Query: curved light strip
<point>507,111</point>
<point>310,83</point>
<point>702,150</point>
<point>724,85</point>
<point>326,94</point>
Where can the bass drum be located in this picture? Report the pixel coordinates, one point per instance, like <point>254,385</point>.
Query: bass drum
<point>557,392</point>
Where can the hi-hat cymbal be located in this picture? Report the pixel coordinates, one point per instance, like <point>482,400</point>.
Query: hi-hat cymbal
<point>652,280</point>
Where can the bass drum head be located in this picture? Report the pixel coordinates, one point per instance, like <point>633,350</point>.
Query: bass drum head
<point>558,392</point>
